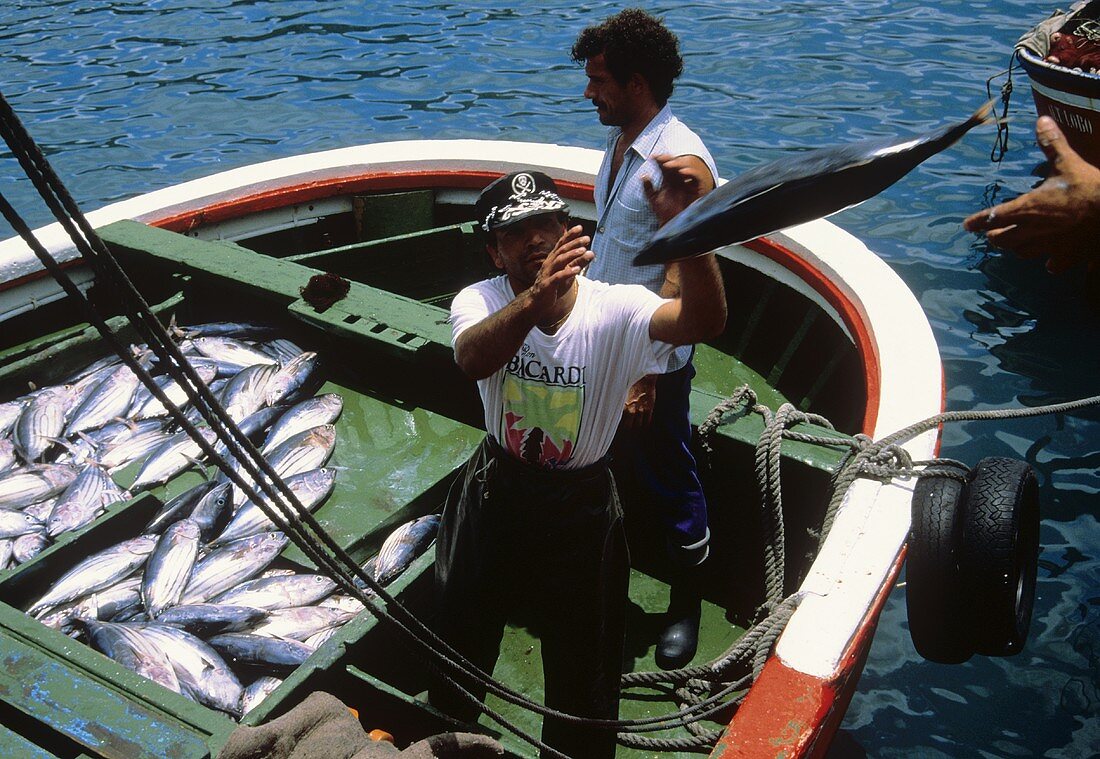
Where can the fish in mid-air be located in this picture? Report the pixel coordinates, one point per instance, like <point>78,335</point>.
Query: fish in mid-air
<point>796,189</point>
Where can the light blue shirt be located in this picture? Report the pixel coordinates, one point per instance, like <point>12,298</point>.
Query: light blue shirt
<point>625,222</point>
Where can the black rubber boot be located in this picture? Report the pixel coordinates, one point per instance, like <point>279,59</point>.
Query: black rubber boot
<point>679,640</point>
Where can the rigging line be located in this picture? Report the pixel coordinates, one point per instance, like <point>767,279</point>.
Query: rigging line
<point>471,672</point>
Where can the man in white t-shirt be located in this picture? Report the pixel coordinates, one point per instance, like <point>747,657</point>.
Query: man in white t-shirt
<point>533,526</point>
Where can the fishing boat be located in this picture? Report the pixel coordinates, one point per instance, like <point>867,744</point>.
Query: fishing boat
<point>815,320</point>
<point>1067,92</point>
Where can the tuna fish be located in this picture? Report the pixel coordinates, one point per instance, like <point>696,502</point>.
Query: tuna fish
<point>205,620</point>
<point>202,673</point>
<point>97,572</point>
<point>24,487</point>
<point>43,420</point>
<point>232,564</point>
<point>279,592</point>
<point>110,400</point>
<point>260,649</point>
<point>257,691</point>
<point>171,457</point>
<point>86,498</point>
<point>131,648</point>
<point>797,189</point>
<point>403,545</point>
<point>310,488</point>
<point>169,568</point>
<point>323,409</point>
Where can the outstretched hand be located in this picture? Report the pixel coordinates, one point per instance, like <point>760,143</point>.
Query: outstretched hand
<point>1060,219</point>
<point>560,268</point>
<point>684,179</point>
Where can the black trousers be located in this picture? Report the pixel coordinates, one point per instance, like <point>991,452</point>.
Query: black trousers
<point>547,548</point>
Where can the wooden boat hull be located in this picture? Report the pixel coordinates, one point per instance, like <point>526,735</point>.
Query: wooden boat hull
<point>807,682</point>
<point>1070,97</point>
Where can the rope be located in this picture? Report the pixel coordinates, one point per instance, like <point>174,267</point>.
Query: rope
<point>1000,143</point>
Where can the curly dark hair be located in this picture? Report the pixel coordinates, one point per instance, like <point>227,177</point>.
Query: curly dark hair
<point>634,42</point>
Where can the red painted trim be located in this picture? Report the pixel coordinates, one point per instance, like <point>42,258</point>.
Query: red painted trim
<point>791,714</point>
<point>345,185</point>
<point>865,344</point>
<point>35,275</point>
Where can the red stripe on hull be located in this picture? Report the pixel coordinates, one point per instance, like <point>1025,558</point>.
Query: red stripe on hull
<point>790,714</point>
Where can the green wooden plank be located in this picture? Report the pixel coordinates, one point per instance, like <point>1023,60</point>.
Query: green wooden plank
<point>280,281</point>
<point>93,701</point>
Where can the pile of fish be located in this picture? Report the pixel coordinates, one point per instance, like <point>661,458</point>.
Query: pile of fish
<point>194,602</point>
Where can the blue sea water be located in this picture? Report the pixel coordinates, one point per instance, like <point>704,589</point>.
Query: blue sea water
<point>127,96</point>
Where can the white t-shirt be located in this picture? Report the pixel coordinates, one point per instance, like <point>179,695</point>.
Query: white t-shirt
<point>557,403</point>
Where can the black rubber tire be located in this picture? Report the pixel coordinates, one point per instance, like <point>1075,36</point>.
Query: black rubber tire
<point>999,553</point>
<point>934,600</point>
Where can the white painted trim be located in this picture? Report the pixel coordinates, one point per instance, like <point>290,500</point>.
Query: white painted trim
<point>1067,98</point>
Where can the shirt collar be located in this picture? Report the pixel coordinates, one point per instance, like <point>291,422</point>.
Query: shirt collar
<point>644,142</point>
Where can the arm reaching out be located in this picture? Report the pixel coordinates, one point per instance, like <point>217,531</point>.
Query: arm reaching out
<point>699,311</point>
<point>1059,219</point>
<point>488,345</point>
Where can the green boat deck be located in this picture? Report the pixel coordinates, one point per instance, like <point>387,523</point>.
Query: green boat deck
<point>410,420</point>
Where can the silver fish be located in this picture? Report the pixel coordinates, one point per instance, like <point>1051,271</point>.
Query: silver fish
<point>343,602</point>
<point>789,191</point>
<point>310,488</point>
<point>227,350</point>
<point>245,393</point>
<point>255,425</point>
<point>24,487</point>
<point>202,673</point>
<point>171,457</point>
<point>41,511</point>
<point>209,619</point>
<point>131,648</point>
<point>151,406</point>
<point>232,564</point>
<point>87,497</point>
<point>257,691</point>
<point>300,622</point>
<point>291,377</point>
<point>16,523</point>
<point>97,572</point>
<point>279,592</point>
<point>104,606</point>
<point>27,546</point>
<point>322,409</point>
<point>128,448</point>
<point>318,639</point>
<point>43,420</point>
<point>10,412</point>
<point>213,510</point>
<point>169,567</point>
<point>110,400</point>
<point>240,330</point>
<point>179,507</point>
<point>260,649</point>
<point>7,551</point>
<point>281,349</point>
<point>7,455</point>
<point>403,545</point>
<point>300,453</point>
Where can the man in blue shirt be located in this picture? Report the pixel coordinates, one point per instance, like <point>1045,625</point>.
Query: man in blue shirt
<point>631,60</point>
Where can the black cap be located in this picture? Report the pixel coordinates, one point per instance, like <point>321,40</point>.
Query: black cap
<point>516,196</point>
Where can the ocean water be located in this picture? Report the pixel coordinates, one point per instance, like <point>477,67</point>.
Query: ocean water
<point>128,96</point>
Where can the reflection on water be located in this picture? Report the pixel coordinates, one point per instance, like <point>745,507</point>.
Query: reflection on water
<point>127,96</point>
